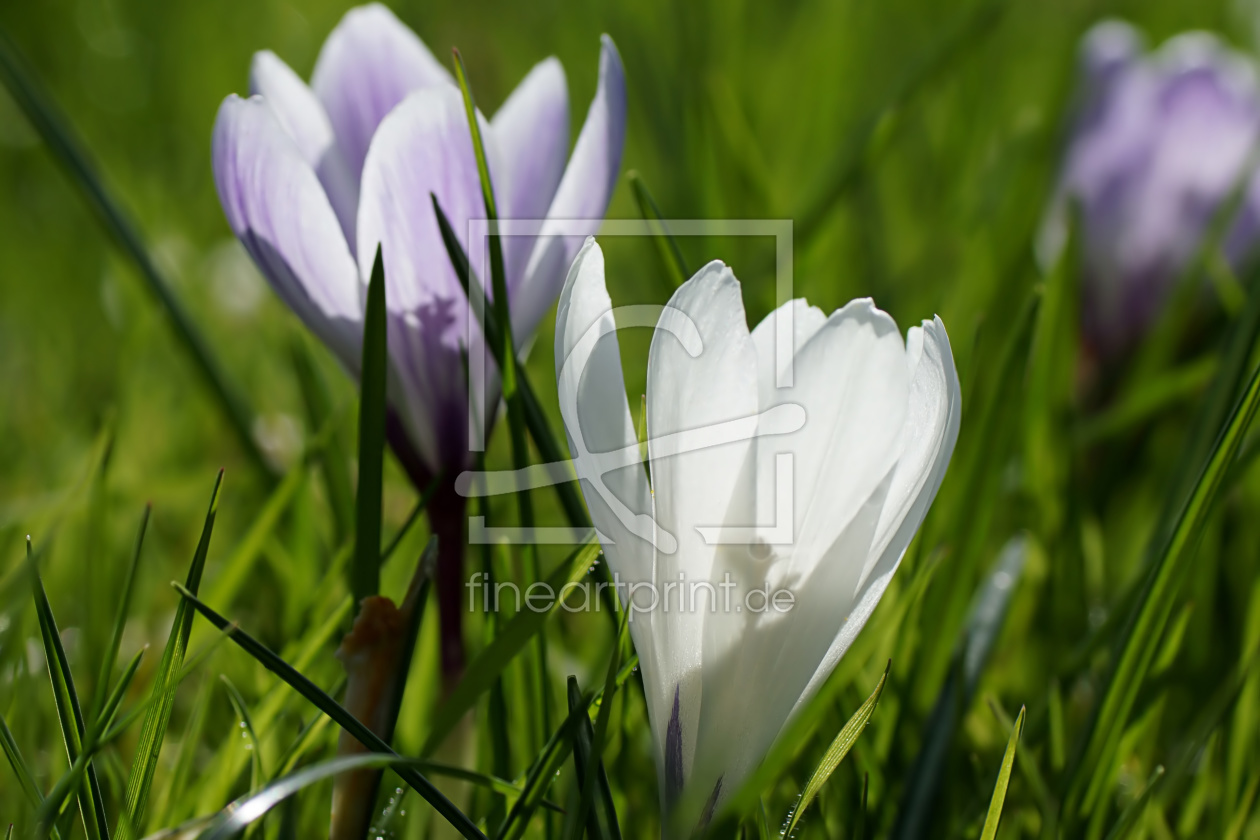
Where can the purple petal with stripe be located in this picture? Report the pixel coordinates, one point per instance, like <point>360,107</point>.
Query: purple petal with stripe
<point>582,196</point>
<point>276,206</point>
<point>369,64</point>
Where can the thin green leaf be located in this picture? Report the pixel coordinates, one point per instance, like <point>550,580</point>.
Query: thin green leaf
<point>1144,628</point>
<point>535,419</point>
<point>334,457</point>
<point>254,747</point>
<point>1135,809</point>
<point>588,749</point>
<point>671,255</point>
<point>25,779</point>
<point>59,138</point>
<point>92,743</point>
<point>109,709</point>
<point>162,700</point>
<point>235,570</point>
<point>488,782</point>
<point>510,377</point>
<point>239,815</point>
<point>512,639</point>
<point>989,832</point>
<point>120,621</point>
<point>269,660</point>
<point>1032,774</point>
<point>69,713</point>
<point>549,760</point>
<point>836,752</point>
<point>365,571</point>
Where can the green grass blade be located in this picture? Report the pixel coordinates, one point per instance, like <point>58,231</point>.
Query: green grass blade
<point>109,709</point>
<point>365,570</point>
<point>835,753</point>
<point>20,769</point>
<point>512,639</point>
<point>1135,809</point>
<point>256,773</point>
<point>334,457</point>
<point>162,701</point>
<point>989,832</point>
<point>588,750</point>
<point>492,783</point>
<point>540,775</point>
<point>69,713</point>
<point>498,278</point>
<point>510,377</point>
<point>671,255</point>
<point>1032,774</point>
<point>235,570</point>
<point>549,760</point>
<point>239,815</point>
<point>300,683</point>
<point>535,418</point>
<point>66,149</point>
<point>120,621</point>
<point>73,778</point>
<point>1144,627</point>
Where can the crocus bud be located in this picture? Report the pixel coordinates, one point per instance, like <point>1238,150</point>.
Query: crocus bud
<point>1159,142</point>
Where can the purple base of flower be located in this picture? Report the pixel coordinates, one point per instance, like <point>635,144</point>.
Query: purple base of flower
<point>446,521</point>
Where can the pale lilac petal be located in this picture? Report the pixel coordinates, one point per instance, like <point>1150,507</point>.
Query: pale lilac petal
<point>369,64</point>
<point>423,147</point>
<point>275,204</point>
<point>582,196</point>
<point>531,131</point>
<point>303,117</point>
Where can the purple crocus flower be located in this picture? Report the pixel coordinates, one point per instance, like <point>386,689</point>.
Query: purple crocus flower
<point>1160,141</point>
<point>313,178</point>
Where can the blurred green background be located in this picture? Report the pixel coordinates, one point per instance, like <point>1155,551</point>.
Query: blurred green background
<point>914,145</point>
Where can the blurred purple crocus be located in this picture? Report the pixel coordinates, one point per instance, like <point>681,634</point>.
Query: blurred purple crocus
<point>313,178</point>
<point>1160,141</point>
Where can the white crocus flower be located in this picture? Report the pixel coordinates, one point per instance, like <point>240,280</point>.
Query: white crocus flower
<point>811,491</point>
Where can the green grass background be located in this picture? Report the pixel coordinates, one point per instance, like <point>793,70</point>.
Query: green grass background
<point>917,181</point>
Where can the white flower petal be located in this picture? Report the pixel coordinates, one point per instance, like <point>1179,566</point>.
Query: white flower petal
<point>806,320</point>
<point>852,380</point>
<point>700,479</point>
<point>931,430</point>
<point>597,419</point>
